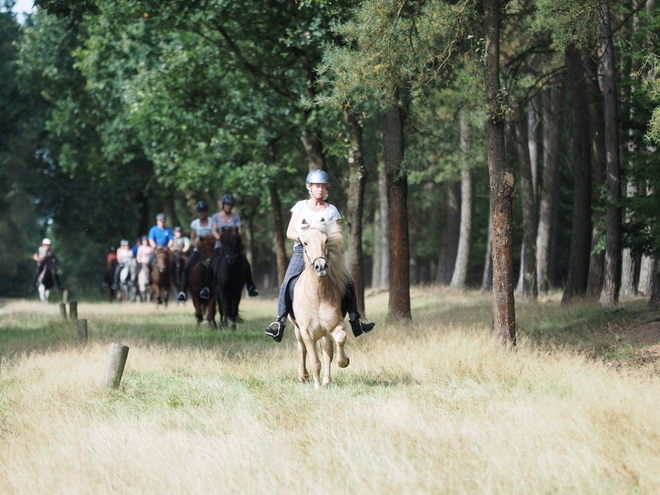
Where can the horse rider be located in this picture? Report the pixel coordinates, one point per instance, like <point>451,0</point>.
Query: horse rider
<point>180,246</point>
<point>227,218</point>
<point>43,252</point>
<point>312,209</point>
<point>159,235</point>
<point>124,254</point>
<point>199,227</point>
<point>144,252</point>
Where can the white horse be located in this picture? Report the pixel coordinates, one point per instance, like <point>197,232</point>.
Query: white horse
<point>317,312</point>
<point>143,287</point>
<point>127,280</point>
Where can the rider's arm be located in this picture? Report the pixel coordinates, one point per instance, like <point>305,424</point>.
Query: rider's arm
<point>193,236</point>
<point>186,244</point>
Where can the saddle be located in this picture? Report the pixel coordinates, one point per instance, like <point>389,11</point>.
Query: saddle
<point>288,296</point>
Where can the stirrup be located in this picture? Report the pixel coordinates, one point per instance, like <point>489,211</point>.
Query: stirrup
<point>181,297</point>
<point>205,293</point>
<point>276,329</point>
<point>253,292</point>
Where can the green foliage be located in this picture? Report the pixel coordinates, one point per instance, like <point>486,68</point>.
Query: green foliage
<point>568,21</point>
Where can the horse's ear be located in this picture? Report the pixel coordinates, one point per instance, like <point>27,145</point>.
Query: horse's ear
<point>322,220</point>
<point>304,222</point>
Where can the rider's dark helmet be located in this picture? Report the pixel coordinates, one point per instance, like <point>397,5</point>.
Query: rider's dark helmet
<point>317,177</point>
<point>201,206</point>
<point>144,238</point>
<point>160,217</point>
<point>112,248</point>
<point>228,199</point>
<point>177,229</point>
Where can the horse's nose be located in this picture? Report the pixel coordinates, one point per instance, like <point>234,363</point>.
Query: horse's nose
<point>321,269</point>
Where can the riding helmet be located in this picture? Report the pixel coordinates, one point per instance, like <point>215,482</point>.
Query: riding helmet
<point>160,217</point>
<point>228,199</point>
<point>317,177</point>
<point>201,206</point>
<point>46,241</point>
<point>124,242</point>
<point>177,229</point>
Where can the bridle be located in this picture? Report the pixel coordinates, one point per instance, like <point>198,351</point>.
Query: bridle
<point>310,260</point>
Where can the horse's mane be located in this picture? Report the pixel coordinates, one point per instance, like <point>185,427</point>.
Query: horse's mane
<point>336,270</point>
<point>230,237</point>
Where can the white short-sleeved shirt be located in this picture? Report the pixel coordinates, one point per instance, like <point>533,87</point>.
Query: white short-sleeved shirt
<point>330,213</point>
<point>199,230</point>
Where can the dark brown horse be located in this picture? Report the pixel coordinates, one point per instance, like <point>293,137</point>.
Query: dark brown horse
<point>197,278</point>
<point>161,275</point>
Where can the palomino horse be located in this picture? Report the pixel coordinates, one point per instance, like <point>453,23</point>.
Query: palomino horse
<point>127,280</point>
<point>197,279</point>
<point>47,278</point>
<point>161,275</point>
<point>317,303</point>
<point>229,275</point>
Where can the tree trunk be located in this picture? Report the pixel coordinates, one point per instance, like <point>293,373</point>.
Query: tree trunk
<point>578,263</point>
<point>447,258</point>
<point>459,277</point>
<point>357,183</point>
<point>628,288</point>
<point>385,229</point>
<point>552,117</point>
<point>610,294</point>
<point>596,113</point>
<point>646,271</point>
<point>280,250</point>
<point>654,301</point>
<point>397,192</point>
<point>487,276</point>
<point>528,262</point>
<point>501,185</point>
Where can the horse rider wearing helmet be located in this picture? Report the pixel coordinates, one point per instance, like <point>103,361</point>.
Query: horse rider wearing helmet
<point>124,254</point>
<point>227,218</point>
<point>43,252</point>
<point>159,235</point>
<point>312,209</point>
<point>199,227</point>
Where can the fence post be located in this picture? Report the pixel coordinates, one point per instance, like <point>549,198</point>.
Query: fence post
<point>81,325</point>
<point>118,355</point>
<point>63,310</point>
<point>73,310</point>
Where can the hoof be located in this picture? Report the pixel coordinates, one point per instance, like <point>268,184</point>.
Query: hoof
<point>343,364</point>
<point>303,378</point>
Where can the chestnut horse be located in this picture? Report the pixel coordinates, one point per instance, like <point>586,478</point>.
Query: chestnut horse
<point>161,275</point>
<point>197,278</point>
<point>317,303</point>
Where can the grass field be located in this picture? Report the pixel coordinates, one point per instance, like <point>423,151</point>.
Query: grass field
<point>426,407</point>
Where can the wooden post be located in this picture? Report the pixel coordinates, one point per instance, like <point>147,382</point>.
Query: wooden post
<point>118,355</point>
<point>73,310</point>
<point>65,296</point>
<point>81,325</point>
<point>63,310</point>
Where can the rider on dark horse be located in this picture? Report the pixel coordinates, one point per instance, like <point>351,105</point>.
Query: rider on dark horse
<point>200,226</point>
<point>41,256</point>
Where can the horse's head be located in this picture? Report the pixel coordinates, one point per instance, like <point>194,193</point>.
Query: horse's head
<point>315,247</point>
<point>163,258</point>
<point>205,245</point>
<point>232,244</point>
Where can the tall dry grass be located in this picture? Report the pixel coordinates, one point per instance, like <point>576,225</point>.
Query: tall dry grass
<point>429,407</point>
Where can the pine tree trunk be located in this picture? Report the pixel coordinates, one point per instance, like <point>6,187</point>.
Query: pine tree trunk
<point>459,277</point>
<point>528,266</point>
<point>501,185</point>
<point>578,263</point>
<point>628,288</point>
<point>596,115</point>
<point>357,183</point>
<point>552,117</point>
<point>384,230</point>
<point>646,271</point>
<point>397,193</point>
<point>610,294</point>
<point>447,256</point>
<point>487,276</point>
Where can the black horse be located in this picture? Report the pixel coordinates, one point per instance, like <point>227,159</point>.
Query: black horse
<point>229,275</point>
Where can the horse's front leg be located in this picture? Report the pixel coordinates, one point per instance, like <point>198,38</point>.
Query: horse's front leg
<point>310,344</point>
<point>303,374</point>
<point>339,336</point>
<point>328,351</point>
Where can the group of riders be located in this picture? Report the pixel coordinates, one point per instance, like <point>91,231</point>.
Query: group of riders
<point>183,258</point>
<point>316,206</point>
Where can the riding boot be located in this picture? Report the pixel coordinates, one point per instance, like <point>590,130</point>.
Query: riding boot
<point>249,282</point>
<point>276,329</point>
<point>359,324</point>
<point>115,280</point>
<point>205,293</point>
